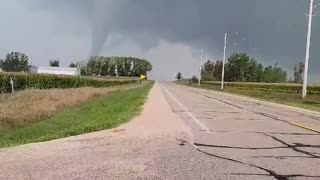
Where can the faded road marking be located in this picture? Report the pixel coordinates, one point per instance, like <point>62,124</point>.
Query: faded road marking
<point>187,111</point>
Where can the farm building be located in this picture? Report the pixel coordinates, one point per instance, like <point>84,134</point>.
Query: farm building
<point>54,70</point>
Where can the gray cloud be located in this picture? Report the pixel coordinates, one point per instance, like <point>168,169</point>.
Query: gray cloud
<point>272,31</point>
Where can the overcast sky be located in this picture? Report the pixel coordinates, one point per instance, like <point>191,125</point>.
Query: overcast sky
<point>169,33</point>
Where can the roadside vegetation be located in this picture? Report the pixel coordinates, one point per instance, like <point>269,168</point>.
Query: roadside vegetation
<point>242,68</point>
<point>245,76</point>
<point>94,66</point>
<point>101,112</point>
<point>35,105</point>
<point>116,66</point>
<point>39,107</point>
<point>24,81</point>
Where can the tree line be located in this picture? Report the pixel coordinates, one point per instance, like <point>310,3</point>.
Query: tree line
<point>104,66</point>
<point>122,66</point>
<point>242,68</point>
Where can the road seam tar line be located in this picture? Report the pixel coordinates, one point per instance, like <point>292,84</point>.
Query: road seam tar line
<point>204,127</point>
<point>305,127</point>
<point>254,100</point>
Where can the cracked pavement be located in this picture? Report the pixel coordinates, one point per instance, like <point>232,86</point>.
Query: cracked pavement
<point>182,133</point>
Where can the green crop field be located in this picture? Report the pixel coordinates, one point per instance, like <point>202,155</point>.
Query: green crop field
<point>273,87</point>
<point>40,81</point>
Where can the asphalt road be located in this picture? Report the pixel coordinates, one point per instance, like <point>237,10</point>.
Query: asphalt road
<point>182,133</point>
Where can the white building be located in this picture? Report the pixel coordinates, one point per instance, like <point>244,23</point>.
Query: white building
<point>54,70</point>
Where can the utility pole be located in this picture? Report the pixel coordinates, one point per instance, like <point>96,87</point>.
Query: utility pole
<point>199,79</point>
<point>224,60</point>
<point>306,62</point>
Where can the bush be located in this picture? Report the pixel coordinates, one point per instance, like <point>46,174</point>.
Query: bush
<point>39,81</point>
<point>270,87</point>
<point>194,79</point>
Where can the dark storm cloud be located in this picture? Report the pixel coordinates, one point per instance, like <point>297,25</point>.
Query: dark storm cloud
<point>273,30</point>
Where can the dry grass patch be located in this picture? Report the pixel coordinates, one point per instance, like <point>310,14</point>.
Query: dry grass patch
<point>34,105</point>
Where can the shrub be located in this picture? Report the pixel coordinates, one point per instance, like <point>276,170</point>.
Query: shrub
<point>194,79</point>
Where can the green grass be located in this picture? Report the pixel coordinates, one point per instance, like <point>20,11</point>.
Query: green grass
<point>100,113</point>
<point>311,102</point>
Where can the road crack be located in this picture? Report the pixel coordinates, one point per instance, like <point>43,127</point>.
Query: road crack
<point>270,172</point>
<point>256,148</point>
<point>295,147</point>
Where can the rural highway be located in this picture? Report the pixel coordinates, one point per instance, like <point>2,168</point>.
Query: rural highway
<point>182,133</point>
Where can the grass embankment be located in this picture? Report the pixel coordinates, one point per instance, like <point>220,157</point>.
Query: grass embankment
<point>102,112</point>
<point>35,104</point>
<point>311,102</point>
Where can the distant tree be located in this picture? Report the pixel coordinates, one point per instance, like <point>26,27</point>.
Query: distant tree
<point>267,74</point>
<point>1,63</point>
<point>194,79</point>
<point>178,76</point>
<point>260,73</point>
<point>126,66</point>
<point>274,74</point>
<point>242,68</point>
<point>217,73</point>
<point>15,62</point>
<point>238,67</point>
<point>298,72</point>
<point>207,71</point>
<point>73,65</point>
<point>279,75</point>
<point>54,63</point>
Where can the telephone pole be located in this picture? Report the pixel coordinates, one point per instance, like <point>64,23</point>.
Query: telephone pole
<point>199,79</point>
<point>224,59</point>
<point>306,62</point>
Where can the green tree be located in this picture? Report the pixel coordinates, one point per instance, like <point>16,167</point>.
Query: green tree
<point>73,65</point>
<point>253,70</point>
<point>238,67</point>
<point>217,73</point>
<point>279,75</point>
<point>194,79</point>
<point>126,66</point>
<point>260,73</point>
<point>242,68</point>
<point>267,74</point>
<point>54,63</point>
<point>1,63</point>
<point>298,72</point>
<point>178,76</point>
<point>207,71</point>
<point>274,74</point>
<point>16,62</point>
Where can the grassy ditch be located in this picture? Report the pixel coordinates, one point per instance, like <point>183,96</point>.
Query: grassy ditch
<point>101,112</point>
<point>35,105</point>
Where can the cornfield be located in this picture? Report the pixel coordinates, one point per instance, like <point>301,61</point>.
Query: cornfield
<point>39,81</point>
<point>270,87</point>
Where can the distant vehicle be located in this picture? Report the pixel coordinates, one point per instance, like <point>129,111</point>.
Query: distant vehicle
<point>54,70</point>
